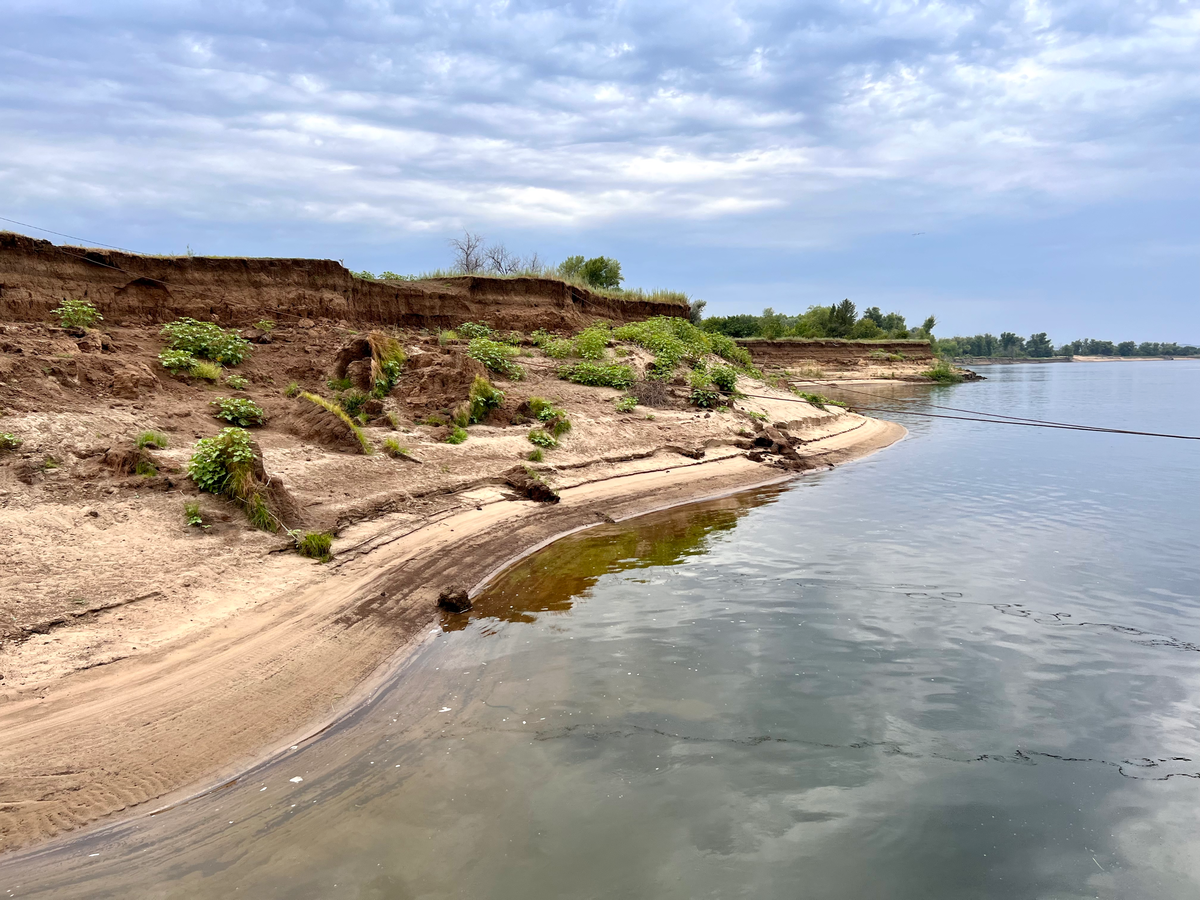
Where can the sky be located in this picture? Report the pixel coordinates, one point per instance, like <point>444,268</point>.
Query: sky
<point>1023,166</point>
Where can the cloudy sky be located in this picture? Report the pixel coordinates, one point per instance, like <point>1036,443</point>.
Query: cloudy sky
<point>1005,165</point>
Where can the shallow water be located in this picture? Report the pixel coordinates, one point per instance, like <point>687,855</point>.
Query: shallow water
<point>968,666</point>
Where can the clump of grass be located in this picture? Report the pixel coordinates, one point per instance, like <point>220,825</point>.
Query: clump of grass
<point>352,402</point>
<point>191,513</point>
<point>206,371</point>
<point>820,401</point>
<point>224,464</point>
<point>77,314</point>
<point>145,468</point>
<point>447,336</point>
<point>9,441</point>
<point>315,545</point>
<point>539,437</point>
<point>536,455</point>
<point>387,363</point>
<point>49,463</point>
<point>392,448</point>
<point>339,384</point>
<point>292,390</point>
<point>331,407</point>
<point>943,373</point>
<point>206,340</point>
<point>152,440</point>
<point>239,411</point>
<point>615,375</point>
<point>237,382</point>
<point>497,357</point>
<point>627,403</point>
<point>457,435</point>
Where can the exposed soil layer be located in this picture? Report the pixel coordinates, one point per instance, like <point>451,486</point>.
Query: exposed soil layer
<point>140,654</point>
<point>842,359</point>
<point>36,276</point>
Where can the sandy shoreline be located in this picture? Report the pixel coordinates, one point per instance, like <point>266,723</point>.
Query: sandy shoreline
<point>144,731</point>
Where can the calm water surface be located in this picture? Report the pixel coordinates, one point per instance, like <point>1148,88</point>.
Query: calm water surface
<point>966,667</point>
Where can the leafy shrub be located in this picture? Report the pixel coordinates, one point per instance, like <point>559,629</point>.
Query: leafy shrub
<point>77,314</point>
<point>191,513</point>
<point>336,410</point>
<point>497,357</point>
<point>472,330</point>
<point>9,441</point>
<point>392,448</point>
<point>536,455</point>
<point>724,377</point>
<point>176,361</point>
<point>943,373</point>
<point>154,440</point>
<point>627,403</point>
<point>352,402</point>
<point>239,411</point>
<point>483,399</point>
<point>237,382</point>
<point>539,437</point>
<point>206,340</point>
<point>264,324</point>
<point>673,340</point>
<point>222,464</point>
<point>206,371</point>
<point>559,348</point>
<point>315,545</point>
<point>457,436</point>
<point>592,342</point>
<point>292,390</point>
<point>616,375</point>
<point>387,363</point>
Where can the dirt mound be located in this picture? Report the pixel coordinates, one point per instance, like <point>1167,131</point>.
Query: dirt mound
<point>439,380</point>
<point>317,425</point>
<point>530,484</point>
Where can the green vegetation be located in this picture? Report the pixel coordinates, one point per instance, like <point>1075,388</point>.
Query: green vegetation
<point>392,448</point>
<point>457,435</point>
<point>206,340</point>
<point>191,513</point>
<point>77,314</point>
<point>237,382</point>
<point>9,441</point>
<point>224,464</point>
<point>206,371</point>
<point>482,399</point>
<point>943,373</point>
<point>264,324</point>
<point>1039,346</point>
<point>176,361</point>
<point>239,411</point>
<point>597,272</point>
<point>674,341</point>
<point>536,455</point>
<point>615,375</point>
<point>292,390</point>
<point>352,402</point>
<point>627,403</point>
<point>446,337</point>
<point>497,357</point>
<point>387,363</point>
<point>539,437</point>
<point>315,545</point>
<point>330,406</point>
<point>472,330</point>
<point>339,384</point>
<point>840,320</point>
<point>820,401</point>
<point>151,440</point>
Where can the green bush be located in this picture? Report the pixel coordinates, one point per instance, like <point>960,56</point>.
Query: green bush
<point>153,440</point>
<point>472,330</point>
<point>497,357</point>
<point>724,377</point>
<point>9,441</point>
<point>483,399</point>
<point>315,545</point>
<point>674,341</point>
<point>539,437</point>
<point>239,411</point>
<point>392,448</point>
<point>206,340</point>
<point>223,463</point>
<point>77,314</point>
<point>820,401</point>
<point>943,373</point>
<point>626,404</point>
<point>457,436</point>
<point>176,361</point>
<point>352,402</point>
<point>237,382</point>
<point>559,348</point>
<point>592,342</point>
<point>616,375</point>
<point>387,364</point>
<point>292,390</point>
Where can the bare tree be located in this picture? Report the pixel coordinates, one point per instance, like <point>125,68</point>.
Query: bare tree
<point>468,253</point>
<point>500,261</point>
<point>533,264</point>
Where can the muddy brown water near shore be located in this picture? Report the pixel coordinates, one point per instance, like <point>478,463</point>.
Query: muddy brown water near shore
<point>966,667</point>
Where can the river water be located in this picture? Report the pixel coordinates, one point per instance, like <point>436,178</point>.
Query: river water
<point>965,667</point>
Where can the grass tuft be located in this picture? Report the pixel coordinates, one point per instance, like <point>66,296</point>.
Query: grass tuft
<point>329,406</point>
<point>315,545</point>
<point>153,440</point>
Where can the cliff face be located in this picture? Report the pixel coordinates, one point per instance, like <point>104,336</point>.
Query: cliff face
<point>797,352</point>
<point>35,276</point>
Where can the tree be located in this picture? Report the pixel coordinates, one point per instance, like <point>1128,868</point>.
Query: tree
<point>1039,345</point>
<point>770,324</point>
<point>1011,343</point>
<point>928,325</point>
<point>571,268</point>
<point>873,314</point>
<point>893,324</point>
<point>1126,348</point>
<point>468,253</point>
<point>841,318</point>
<point>602,272</point>
<point>696,311</point>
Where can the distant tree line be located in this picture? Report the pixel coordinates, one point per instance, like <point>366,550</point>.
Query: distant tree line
<point>840,320</point>
<point>1039,346</point>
